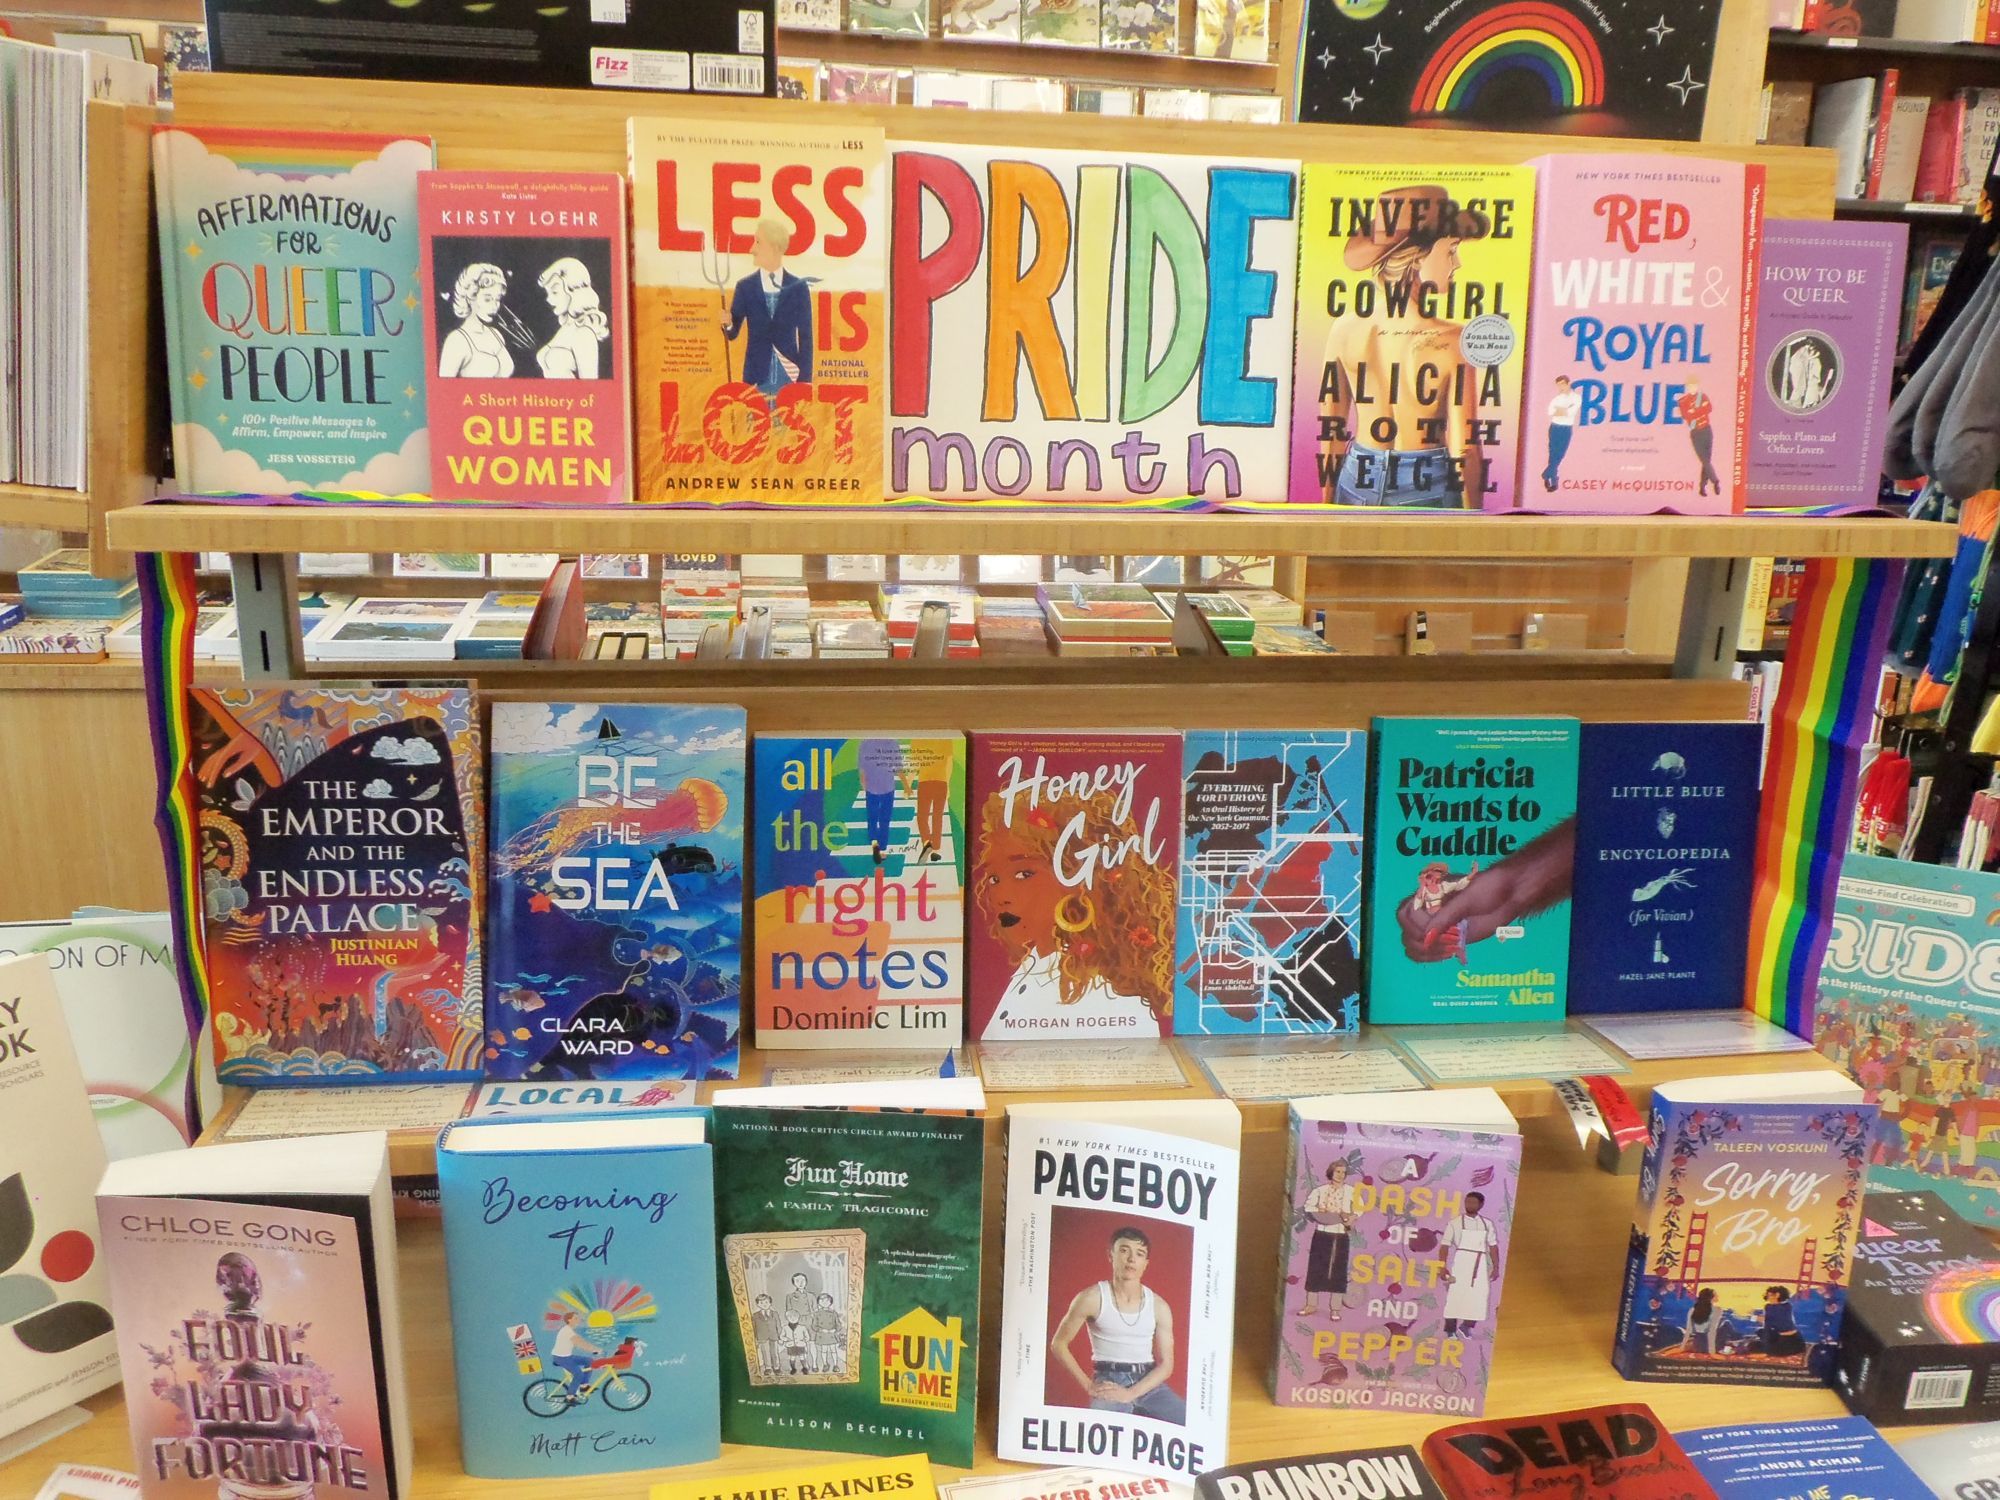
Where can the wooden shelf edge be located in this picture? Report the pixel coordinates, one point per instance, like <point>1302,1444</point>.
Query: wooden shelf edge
<point>45,507</point>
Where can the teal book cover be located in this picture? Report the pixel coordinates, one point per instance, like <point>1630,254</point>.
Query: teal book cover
<point>1471,846</point>
<point>294,313</point>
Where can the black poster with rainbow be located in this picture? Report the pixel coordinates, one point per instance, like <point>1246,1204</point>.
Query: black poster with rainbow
<point>1565,67</point>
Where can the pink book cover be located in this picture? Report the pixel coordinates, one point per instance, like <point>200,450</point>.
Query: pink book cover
<point>1075,862</point>
<point>244,1336</point>
<point>1638,385</point>
<point>526,335</point>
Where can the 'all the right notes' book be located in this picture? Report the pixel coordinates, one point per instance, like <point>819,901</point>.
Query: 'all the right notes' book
<point>1743,1235</point>
<point>1471,836</point>
<point>1619,1452</point>
<point>1638,386</point>
<point>1801,1460</point>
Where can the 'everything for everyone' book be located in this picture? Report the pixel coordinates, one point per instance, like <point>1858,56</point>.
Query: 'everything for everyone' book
<point>1269,936</point>
<point>1471,837</point>
<point>759,267</point>
<point>1638,384</point>
<point>1111,327</point>
<point>1666,827</point>
<point>850,1277</point>
<point>1620,1452</point>
<point>1076,851</point>
<point>1393,1249</point>
<point>1397,1471</point>
<point>527,332</point>
<point>290,283</point>
<point>860,890</point>
<point>1412,331</point>
<point>580,1255</point>
<point>342,859</point>
<point>1908,1003</point>
<point>616,896</point>
<point>1743,1235</point>
<point>1120,1267</point>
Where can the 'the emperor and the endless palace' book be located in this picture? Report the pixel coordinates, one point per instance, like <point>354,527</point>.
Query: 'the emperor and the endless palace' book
<point>616,902</point>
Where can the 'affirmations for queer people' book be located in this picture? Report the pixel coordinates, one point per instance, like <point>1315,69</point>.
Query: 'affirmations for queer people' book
<point>342,849</point>
<point>288,265</point>
<point>1269,937</point>
<point>616,899</point>
<point>860,891</point>
<point>1413,320</point>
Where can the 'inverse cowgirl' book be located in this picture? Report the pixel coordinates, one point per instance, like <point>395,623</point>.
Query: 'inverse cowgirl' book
<point>1638,384</point>
<point>850,1277</point>
<point>1412,332</point>
<point>1749,1203</point>
<point>1470,839</point>
<point>1121,1267</point>
<point>1796,1460</point>
<point>1395,1242</point>
<point>1620,1452</point>
<point>526,336</point>
<point>1666,824</point>
<point>860,890</point>
<point>343,854</point>
<point>759,258</point>
<point>1269,936</point>
<point>616,927</point>
<point>288,261</point>
<point>1076,850</point>
<point>580,1255</point>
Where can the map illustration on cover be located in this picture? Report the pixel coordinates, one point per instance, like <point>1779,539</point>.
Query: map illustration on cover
<point>616,927</point>
<point>341,844</point>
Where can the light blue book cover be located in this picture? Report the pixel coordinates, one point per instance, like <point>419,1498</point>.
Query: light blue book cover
<point>581,1256</point>
<point>1269,931</point>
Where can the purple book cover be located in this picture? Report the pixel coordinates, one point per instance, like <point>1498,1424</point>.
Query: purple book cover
<point>1825,351</point>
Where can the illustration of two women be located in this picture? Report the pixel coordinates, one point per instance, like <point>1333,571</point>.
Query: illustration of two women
<point>478,348</point>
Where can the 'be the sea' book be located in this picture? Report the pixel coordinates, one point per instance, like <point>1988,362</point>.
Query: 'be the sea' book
<point>616,898</point>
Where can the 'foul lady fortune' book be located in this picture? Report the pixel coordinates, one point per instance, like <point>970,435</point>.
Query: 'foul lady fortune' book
<point>342,847</point>
<point>288,270</point>
<point>616,928</point>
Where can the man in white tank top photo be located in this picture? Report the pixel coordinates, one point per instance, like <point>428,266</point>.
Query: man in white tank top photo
<point>1131,1337</point>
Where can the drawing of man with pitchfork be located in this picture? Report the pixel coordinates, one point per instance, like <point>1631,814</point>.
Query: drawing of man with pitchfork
<point>776,307</point>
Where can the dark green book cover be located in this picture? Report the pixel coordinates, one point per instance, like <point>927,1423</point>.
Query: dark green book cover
<point>850,1279</point>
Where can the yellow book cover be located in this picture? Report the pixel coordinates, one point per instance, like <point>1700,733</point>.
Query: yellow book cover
<point>856,1479</point>
<point>1413,312</point>
<point>758,274</point>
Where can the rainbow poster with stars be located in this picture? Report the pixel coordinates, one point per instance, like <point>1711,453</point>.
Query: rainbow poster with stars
<point>1564,67</point>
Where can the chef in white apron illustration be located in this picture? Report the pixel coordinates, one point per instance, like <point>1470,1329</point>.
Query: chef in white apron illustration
<point>1471,1260</point>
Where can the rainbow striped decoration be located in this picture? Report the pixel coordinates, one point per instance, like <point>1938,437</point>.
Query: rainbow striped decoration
<point>601,1304</point>
<point>1523,37</point>
<point>1963,1303</point>
<point>1821,719</point>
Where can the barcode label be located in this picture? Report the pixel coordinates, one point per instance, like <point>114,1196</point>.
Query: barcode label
<point>715,73</point>
<point>636,68</point>
<point>1936,1390</point>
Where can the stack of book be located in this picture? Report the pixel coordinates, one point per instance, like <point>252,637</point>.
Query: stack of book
<point>1012,626</point>
<point>622,630</point>
<point>902,606</point>
<point>61,587</point>
<point>498,627</point>
<point>1226,614</point>
<point>1105,619</point>
<point>393,630</point>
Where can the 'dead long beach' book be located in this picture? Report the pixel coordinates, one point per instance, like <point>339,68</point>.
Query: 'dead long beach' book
<point>1621,1452</point>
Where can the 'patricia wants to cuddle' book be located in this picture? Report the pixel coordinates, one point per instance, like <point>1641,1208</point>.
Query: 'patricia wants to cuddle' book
<point>288,265</point>
<point>342,856</point>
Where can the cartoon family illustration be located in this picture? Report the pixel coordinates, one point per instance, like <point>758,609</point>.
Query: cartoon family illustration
<point>809,1337</point>
<point>798,1297</point>
<point>482,346</point>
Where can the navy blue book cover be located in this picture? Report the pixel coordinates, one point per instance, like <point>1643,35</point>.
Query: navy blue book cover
<point>1666,824</point>
<point>1798,1460</point>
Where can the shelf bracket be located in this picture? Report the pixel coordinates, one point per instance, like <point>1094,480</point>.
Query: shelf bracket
<point>1712,616</point>
<point>267,615</point>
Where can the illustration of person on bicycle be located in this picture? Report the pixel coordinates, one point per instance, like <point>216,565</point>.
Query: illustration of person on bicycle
<point>586,1370</point>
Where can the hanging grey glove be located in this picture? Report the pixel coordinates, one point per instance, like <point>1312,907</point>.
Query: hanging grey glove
<point>1914,418</point>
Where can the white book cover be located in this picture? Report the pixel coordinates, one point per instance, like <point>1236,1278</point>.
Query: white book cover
<point>535,565</point>
<point>1011,567</point>
<point>1119,1285</point>
<point>947,90</point>
<point>856,567</point>
<point>1842,115</point>
<point>1962,1461</point>
<point>927,567</point>
<point>328,564</point>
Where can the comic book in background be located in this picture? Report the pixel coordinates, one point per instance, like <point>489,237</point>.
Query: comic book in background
<point>616,927</point>
<point>342,841</point>
<point>759,267</point>
<point>1075,326</point>
<point>1412,334</point>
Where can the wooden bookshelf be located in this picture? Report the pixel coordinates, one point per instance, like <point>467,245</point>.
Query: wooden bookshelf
<point>1971,54</point>
<point>44,506</point>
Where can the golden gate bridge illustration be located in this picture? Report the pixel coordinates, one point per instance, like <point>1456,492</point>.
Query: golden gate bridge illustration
<point>1694,1248</point>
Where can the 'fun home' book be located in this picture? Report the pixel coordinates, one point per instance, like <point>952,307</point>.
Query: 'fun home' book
<point>759,261</point>
<point>616,898</point>
<point>527,332</point>
<point>1603,1453</point>
<point>1801,1460</point>
<point>1743,1235</point>
<point>1413,321</point>
<point>254,1288</point>
<point>860,891</point>
<point>1269,937</point>
<point>1666,823</point>
<point>342,855</point>
<point>1076,850</point>
<point>1638,386</point>
<point>289,275</point>
<point>850,1277</point>
<point>1395,1242</point>
<point>1470,840</point>
<point>580,1255</point>
<point>1909,1005</point>
<point>1120,1267</point>
<point>1396,1471</point>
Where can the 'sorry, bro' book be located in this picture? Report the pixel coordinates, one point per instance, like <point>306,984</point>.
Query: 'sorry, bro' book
<point>1621,1452</point>
<point>1395,1471</point>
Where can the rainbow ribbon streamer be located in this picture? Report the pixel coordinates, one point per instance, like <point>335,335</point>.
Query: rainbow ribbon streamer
<point>1823,715</point>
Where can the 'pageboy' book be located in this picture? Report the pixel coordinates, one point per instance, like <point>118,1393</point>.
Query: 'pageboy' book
<point>616,898</point>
